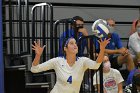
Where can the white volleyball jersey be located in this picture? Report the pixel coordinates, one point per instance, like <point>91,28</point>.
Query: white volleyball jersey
<point>69,78</point>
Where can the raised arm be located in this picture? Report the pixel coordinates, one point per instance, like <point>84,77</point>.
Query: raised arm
<point>102,50</point>
<point>38,50</point>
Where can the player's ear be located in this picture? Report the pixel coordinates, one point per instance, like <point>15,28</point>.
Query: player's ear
<point>65,49</point>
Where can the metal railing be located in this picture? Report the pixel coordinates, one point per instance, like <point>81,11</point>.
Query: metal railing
<point>16,37</point>
<point>42,29</point>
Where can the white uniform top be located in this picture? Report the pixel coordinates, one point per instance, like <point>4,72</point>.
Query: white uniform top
<point>68,78</point>
<point>110,80</point>
<point>134,44</point>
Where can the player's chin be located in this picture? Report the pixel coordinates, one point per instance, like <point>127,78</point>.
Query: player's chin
<point>75,51</point>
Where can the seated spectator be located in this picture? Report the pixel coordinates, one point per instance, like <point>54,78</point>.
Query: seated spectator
<point>134,48</point>
<point>134,42</point>
<point>115,47</point>
<point>78,30</point>
<point>112,79</point>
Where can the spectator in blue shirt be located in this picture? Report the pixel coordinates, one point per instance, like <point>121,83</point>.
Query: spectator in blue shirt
<point>115,47</point>
<point>77,30</point>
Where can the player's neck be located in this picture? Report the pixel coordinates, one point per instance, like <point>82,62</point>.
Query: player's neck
<point>71,59</point>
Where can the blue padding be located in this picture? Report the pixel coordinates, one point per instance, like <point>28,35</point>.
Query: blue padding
<point>1,53</point>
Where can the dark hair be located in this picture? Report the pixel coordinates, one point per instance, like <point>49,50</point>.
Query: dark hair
<point>65,44</point>
<point>74,19</point>
<point>78,18</point>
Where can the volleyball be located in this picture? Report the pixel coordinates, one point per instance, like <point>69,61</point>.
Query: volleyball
<point>100,28</point>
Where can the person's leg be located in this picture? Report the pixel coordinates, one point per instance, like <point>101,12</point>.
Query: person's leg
<point>128,60</point>
<point>114,62</point>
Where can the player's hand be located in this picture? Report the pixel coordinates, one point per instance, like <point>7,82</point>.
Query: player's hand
<point>37,48</point>
<point>104,43</point>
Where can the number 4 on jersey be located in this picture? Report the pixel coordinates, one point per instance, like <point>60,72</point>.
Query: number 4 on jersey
<point>70,80</point>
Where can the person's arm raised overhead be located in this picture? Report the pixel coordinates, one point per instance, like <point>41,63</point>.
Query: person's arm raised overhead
<point>38,50</point>
<point>47,65</point>
<point>102,49</point>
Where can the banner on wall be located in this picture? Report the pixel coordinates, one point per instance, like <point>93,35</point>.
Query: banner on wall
<point>1,53</point>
